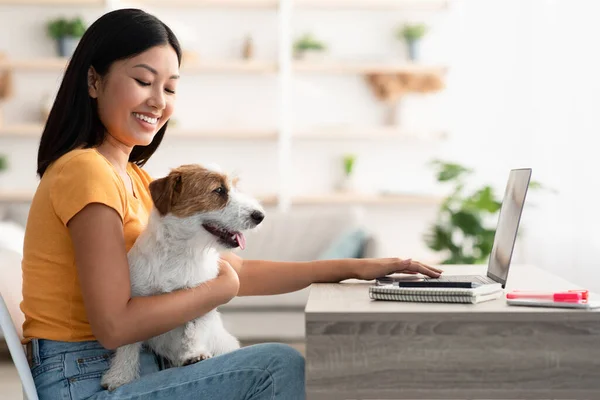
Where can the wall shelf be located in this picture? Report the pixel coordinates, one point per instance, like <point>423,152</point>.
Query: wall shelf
<point>364,199</point>
<point>53,2</point>
<point>224,134</point>
<point>57,64</point>
<point>373,4</point>
<point>25,196</point>
<point>355,67</point>
<point>15,196</point>
<point>35,130</point>
<point>368,133</point>
<point>268,4</point>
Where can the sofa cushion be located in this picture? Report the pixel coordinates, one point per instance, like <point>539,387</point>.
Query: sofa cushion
<point>349,244</point>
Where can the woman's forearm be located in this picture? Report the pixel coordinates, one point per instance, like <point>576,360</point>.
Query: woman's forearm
<point>149,316</point>
<point>259,277</point>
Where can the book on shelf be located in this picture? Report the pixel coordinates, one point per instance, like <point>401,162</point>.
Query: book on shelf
<point>393,292</point>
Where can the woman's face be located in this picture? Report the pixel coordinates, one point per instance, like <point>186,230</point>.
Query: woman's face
<point>137,95</point>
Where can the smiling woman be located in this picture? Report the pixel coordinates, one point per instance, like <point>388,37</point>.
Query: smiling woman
<point>92,203</point>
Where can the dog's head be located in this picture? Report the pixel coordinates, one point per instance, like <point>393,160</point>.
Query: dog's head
<point>207,201</point>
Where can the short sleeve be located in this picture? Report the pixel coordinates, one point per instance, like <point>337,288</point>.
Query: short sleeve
<point>86,178</point>
<point>143,175</point>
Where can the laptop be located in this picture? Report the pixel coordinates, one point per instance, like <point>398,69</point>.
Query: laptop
<point>504,238</point>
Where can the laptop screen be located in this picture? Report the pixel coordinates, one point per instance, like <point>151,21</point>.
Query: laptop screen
<point>508,224</point>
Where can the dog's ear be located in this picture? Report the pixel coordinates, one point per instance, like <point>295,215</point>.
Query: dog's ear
<point>165,191</point>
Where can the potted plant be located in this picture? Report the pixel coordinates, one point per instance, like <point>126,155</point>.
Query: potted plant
<point>307,47</point>
<point>412,34</point>
<point>67,33</point>
<point>347,183</point>
<point>466,223</point>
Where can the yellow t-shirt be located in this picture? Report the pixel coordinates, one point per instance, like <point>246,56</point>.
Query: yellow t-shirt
<point>52,300</point>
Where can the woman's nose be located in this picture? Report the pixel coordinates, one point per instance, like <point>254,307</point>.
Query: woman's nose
<point>157,100</point>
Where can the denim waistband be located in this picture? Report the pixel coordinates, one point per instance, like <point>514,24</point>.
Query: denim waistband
<point>38,349</point>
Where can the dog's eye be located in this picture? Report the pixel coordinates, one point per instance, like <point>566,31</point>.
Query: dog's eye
<point>219,190</point>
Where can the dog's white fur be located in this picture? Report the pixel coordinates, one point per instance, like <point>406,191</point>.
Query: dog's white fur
<point>173,253</point>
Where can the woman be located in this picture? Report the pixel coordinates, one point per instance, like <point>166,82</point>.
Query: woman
<point>109,116</point>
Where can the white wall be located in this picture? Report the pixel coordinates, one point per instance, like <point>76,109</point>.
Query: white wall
<point>520,92</point>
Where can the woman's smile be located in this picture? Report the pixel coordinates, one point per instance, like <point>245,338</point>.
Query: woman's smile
<point>146,121</point>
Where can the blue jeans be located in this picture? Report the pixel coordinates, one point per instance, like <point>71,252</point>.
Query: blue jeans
<point>73,370</point>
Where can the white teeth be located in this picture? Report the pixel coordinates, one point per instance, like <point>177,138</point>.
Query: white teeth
<point>145,118</point>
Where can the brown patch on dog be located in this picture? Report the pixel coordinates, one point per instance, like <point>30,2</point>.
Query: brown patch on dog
<point>190,189</point>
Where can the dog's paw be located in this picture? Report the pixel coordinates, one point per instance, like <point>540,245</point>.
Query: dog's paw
<point>194,360</point>
<point>113,379</point>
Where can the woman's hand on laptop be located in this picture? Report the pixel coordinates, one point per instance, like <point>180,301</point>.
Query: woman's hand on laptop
<point>376,267</point>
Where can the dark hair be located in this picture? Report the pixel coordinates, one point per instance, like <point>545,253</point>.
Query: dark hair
<point>73,121</point>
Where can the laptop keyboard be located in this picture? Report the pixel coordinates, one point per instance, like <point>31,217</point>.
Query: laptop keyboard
<point>463,278</point>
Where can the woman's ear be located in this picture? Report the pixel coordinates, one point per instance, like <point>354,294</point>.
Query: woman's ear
<point>93,83</point>
<point>164,192</point>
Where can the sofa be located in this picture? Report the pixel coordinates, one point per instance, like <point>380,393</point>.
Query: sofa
<point>301,234</point>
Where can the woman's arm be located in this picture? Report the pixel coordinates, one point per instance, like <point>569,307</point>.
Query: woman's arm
<point>259,277</point>
<point>115,317</point>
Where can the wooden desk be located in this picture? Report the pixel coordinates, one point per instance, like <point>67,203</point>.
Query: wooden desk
<point>358,348</point>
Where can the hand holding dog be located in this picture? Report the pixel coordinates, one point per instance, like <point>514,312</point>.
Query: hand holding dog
<point>377,267</point>
<point>229,278</point>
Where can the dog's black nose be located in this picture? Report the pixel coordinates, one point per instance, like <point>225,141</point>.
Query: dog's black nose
<point>257,216</point>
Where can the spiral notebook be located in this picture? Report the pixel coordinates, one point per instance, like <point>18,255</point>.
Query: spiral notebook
<point>436,295</point>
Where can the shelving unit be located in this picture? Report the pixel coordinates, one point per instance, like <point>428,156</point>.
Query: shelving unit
<point>283,68</point>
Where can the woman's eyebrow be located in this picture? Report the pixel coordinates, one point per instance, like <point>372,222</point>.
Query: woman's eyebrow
<point>155,72</point>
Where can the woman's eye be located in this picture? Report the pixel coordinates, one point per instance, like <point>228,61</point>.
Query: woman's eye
<point>170,91</point>
<point>142,82</point>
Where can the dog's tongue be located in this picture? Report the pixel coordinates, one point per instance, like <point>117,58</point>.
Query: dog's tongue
<point>239,236</point>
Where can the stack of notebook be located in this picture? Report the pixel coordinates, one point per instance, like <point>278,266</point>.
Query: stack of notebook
<point>436,294</point>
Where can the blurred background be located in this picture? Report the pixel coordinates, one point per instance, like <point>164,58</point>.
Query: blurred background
<point>354,121</point>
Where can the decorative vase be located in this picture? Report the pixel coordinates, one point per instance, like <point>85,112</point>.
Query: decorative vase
<point>413,50</point>
<point>248,49</point>
<point>67,45</point>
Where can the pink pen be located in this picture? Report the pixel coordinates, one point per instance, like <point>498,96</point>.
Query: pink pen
<point>568,296</point>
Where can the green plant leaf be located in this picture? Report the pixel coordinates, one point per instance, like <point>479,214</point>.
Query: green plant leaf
<point>349,161</point>
<point>484,200</point>
<point>468,222</point>
<point>3,162</point>
<point>484,242</point>
<point>412,32</point>
<point>447,171</point>
<point>440,238</point>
